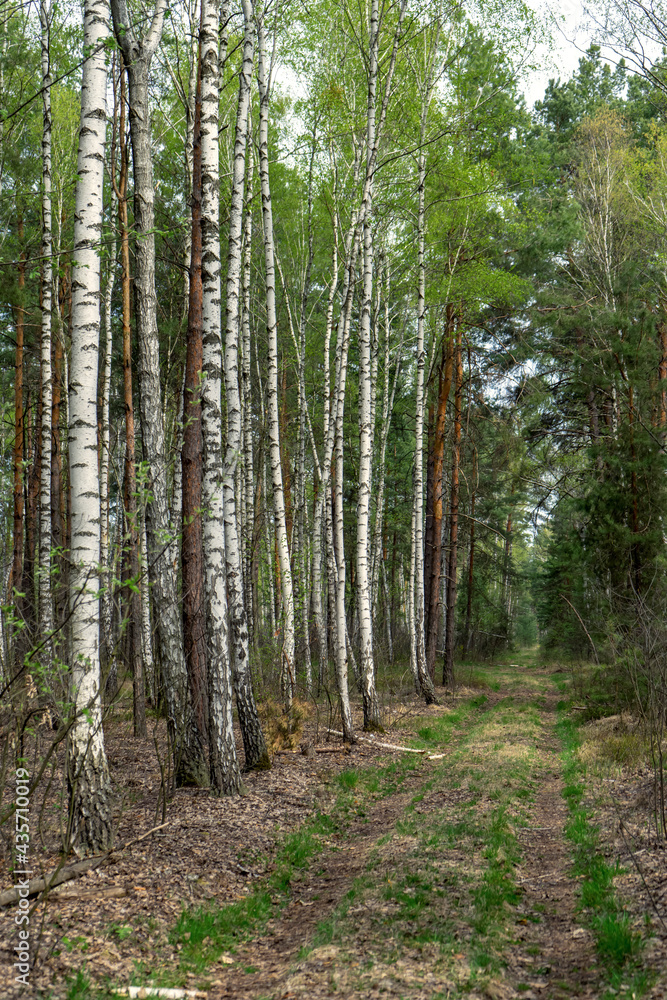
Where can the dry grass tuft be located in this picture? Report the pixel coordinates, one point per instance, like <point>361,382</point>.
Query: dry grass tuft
<point>282,730</point>
<point>618,739</point>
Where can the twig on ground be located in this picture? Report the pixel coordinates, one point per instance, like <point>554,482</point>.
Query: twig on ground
<point>61,875</point>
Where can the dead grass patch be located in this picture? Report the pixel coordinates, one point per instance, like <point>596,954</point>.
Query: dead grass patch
<point>616,740</point>
<point>283,730</point>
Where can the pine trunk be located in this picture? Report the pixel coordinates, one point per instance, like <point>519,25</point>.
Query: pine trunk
<point>450,635</point>
<point>467,635</point>
<point>444,386</point>
<point>192,552</point>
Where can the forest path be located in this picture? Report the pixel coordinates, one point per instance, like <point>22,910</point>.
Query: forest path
<point>440,878</point>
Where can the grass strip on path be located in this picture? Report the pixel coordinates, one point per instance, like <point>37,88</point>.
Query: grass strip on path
<point>436,908</point>
<point>618,944</point>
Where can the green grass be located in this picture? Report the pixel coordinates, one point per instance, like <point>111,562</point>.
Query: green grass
<point>444,877</point>
<point>421,902</point>
<point>618,944</point>
<point>439,732</point>
<point>207,932</point>
<point>78,987</point>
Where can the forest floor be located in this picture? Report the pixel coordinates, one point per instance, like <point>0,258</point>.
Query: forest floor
<point>513,857</point>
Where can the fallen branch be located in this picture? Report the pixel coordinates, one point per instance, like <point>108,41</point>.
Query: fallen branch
<point>61,875</point>
<point>113,892</point>
<point>139,992</point>
<point>390,746</point>
<point>581,622</point>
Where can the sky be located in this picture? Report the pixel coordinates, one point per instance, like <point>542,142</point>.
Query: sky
<point>570,41</point>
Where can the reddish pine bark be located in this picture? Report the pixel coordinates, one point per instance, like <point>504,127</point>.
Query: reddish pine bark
<point>433,585</point>
<point>662,373</point>
<point>192,561</point>
<point>428,516</point>
<point>471,557</point>
<point>448,671</point>
<point>131,595</point>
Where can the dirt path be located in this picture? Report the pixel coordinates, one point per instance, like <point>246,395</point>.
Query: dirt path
<point>555,957</point>
<point>436,877</point>
<point>274,954</point>
<point>545,954</point>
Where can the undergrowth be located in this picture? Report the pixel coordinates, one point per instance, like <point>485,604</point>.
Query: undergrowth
<point>618,944</point>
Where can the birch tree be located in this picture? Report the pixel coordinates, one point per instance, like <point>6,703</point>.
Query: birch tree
<point>371,704</point>
<point>45,596</point>
<point>190,766</point>
<point>223,764</point>
<point>418,636</point>
<point>90,825</point>
<point>256,755</point>
<point>287,677</point>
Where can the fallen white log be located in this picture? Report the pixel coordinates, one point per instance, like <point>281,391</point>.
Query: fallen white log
<point>391,746</point>
<point>142,992</point>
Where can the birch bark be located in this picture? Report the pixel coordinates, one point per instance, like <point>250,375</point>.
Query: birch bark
<point>250,539</point>
<point>322,496</point>
<point>190,765</point>
<point>223,764</point>
<point>45,602</point>
<point>304,601</point>
<point>105,462</point>
<point>16,573</point>
<point>417,635</point>
<point>337,540</point>
<point>371,705</point>
<point>287,657</point>
<point>130,555</point>
<point>90,819</point>
<point>387,409</point>
<point>256,755</point>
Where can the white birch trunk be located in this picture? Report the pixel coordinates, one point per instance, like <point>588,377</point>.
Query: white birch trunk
<point>105,460</point>
<point>371,705</point>
<point>304,594</point>
<point>246,403</point>
<point>338,539</point>
<point>45,602</point>
<point>417,635</point>
<point>189,760</point>
<point>387,409</point>
<point>287,659</point>
<point>146,629</point>
<point>265,508</point>
<point>320,506</point>
<point>253,740</point>
<point>223,765</point>
<point>90,825</point>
